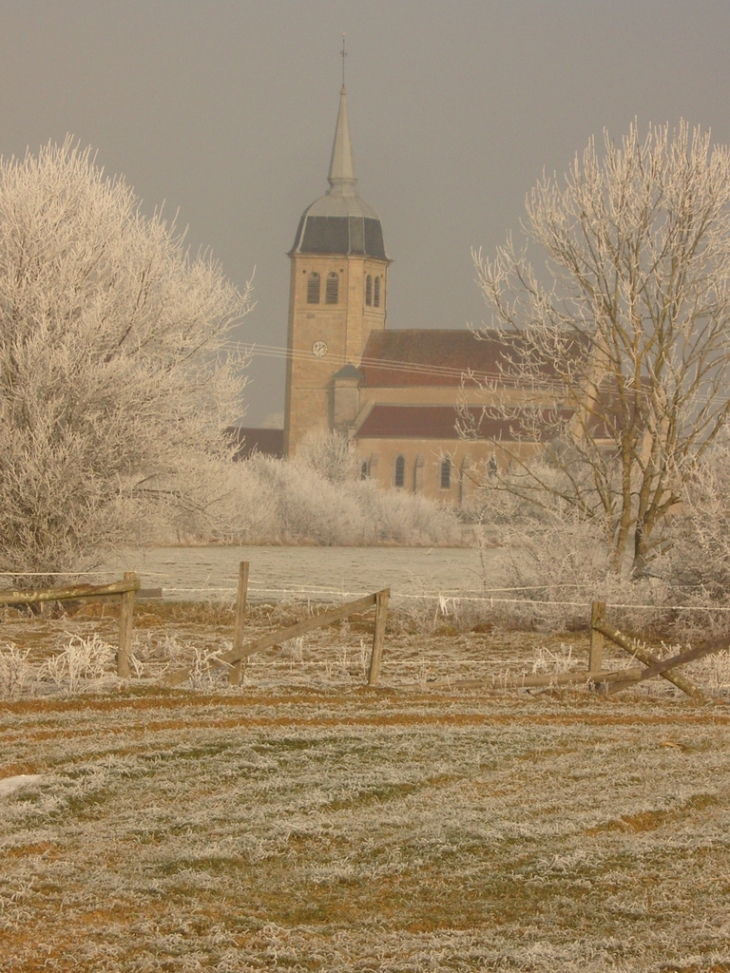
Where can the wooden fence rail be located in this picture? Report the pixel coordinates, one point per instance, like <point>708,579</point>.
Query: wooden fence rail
<point>605,680</point>
<point>240,651</point>
<point>655,666</point>
<point>613,681</point>
<point>124,589</point>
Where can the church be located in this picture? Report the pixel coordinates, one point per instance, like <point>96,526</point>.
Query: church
<point>394,393</point>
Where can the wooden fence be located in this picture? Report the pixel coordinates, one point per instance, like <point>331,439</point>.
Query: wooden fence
<point>607,680</point>
<point>595,676</point>
<point>125,590</point>
<point>240,651</point>
<point>654,665</point>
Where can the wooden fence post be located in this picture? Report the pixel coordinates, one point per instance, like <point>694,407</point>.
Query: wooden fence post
<point>234,674</point>
<point>381,613</point>
<point>126,624</point>
<point>595,655</point>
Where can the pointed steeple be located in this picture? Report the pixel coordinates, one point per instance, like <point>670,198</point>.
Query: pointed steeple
<point>342,176</point>
<point>341,222</point>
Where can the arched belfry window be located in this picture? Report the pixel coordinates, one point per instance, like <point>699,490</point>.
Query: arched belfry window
<point>446,473</point>
<point>332,289</point>
<point>399,472</point>
<point>376,296</point>
<point>369,290</point>
<point>313,289</point>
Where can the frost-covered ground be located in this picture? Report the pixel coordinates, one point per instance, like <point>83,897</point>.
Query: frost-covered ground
<point>304,822</point>
<point>362,831</point>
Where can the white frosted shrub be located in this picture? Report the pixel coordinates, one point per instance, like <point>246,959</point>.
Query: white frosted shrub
<point>407,518</point>
<point>554,556</point>
<point>246,504</point>
<point>316,509</point>
<point>82,664</point>
<point>328,454</point>
<point>304,505</point>
<point>16,674</point>
<point>269,500</point>
<point>316,497</point>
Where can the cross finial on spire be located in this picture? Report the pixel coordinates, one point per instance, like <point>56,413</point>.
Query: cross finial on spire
<point>344,55</point>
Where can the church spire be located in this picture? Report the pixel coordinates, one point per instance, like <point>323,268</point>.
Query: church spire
<point>342,176</point>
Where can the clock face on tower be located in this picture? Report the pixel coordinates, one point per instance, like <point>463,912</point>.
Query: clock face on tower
<point>319,349</point>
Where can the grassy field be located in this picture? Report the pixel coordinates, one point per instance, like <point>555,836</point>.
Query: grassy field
<point>304,822</point>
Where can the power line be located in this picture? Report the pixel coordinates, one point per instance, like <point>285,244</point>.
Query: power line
<point>545,384</point>
<point>394,365</point>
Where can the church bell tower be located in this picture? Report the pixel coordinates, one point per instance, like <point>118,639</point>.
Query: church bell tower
<point>337,295</point>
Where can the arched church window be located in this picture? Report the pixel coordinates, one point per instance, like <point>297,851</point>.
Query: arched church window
<point>399,478</point>
<point>332,288</point>
<point>368,290</point>
<point>313,289</point>
<point>446,473</point>
<point>376,296</point>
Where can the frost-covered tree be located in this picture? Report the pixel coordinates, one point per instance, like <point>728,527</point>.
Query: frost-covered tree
<point>115,387</point>
<point>624,334</point>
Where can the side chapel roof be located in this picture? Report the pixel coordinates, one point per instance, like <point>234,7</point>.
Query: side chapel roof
<point>427,422</point>
<point>386,421</point>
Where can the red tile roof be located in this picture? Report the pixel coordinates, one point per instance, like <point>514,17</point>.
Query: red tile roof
<point>426,422</point>
<point>428,356</point>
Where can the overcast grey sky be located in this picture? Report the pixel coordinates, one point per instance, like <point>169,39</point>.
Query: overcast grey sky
<point>226,109</point>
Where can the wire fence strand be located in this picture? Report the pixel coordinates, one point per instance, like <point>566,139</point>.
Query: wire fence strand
<point>444,597</point>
